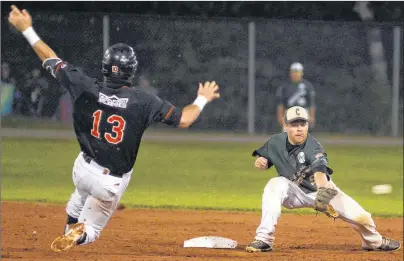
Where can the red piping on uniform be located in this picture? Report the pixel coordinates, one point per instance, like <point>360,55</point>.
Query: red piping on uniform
<point>58,67</point>
<point>169,112</point>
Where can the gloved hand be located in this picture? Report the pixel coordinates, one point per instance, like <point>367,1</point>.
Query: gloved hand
<point>322,202</point>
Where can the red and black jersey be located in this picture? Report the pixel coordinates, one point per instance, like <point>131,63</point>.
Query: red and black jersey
<point>109,122</point>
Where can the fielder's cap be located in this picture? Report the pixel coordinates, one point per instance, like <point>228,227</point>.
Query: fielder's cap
<point>296,67</point>
<point>296,113</point>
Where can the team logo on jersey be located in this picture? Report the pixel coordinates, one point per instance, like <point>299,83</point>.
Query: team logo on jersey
<point>301,158</point>
<point>113,101</point>
<point>298,98</point>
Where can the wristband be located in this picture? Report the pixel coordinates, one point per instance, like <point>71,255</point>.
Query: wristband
<point>200,101</point>
<point>31,36</point>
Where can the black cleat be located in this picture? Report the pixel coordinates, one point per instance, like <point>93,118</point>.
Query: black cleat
<point>258,246</point>
<point>388,244</point>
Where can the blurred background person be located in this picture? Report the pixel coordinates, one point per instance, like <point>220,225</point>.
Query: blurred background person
<point>35,86</point>
<point>9,94</point>
<point>6,76</point>
<point>296,92</point>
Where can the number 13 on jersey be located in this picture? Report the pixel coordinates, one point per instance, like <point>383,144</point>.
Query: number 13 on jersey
<point>118,127</point>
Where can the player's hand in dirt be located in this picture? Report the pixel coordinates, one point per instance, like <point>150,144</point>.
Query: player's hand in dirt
<point>21,20</point>
<point>209,90</point>
<point>261,163</point>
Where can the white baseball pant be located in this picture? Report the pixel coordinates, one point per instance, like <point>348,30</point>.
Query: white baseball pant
<point>96,196</point>
<point>280,191</point>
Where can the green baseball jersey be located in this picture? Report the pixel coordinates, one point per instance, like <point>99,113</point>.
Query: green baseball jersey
<point>305,159</point>
<point>296,94</point>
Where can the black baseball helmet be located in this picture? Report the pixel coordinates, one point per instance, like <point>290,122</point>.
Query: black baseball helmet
<point>119,62</point>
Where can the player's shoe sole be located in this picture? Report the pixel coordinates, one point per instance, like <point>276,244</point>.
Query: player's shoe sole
<point>388,245</point>
<point>382,250</point>
<point>68,240</point>
<point>250,249</point>
<point>258,246</point>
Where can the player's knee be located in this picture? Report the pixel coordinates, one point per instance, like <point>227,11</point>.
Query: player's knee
<point>277,185</point>
<point>75,205</point>
<point>364,219</point>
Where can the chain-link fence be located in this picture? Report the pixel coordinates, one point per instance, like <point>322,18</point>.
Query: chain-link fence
<point>177,53</point>
<point>337,62</point>
<point>75,37</point>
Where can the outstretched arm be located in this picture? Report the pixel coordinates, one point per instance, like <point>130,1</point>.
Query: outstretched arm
<point>22,21</point>
<point>262,160</point>
<point>261,163</point>
<point>189,115</point>
<point>206,94</point>
<point>163,111</point>
<point>320,178</point>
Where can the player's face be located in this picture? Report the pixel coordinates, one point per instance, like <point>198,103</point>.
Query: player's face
<point>296,76</point>
<point>297,131</point>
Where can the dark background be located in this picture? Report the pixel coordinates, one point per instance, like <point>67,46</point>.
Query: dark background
<point>180,43</point>
<point>337,11</point>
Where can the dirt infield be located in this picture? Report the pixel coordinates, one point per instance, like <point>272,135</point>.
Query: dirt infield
<point>141,234</point>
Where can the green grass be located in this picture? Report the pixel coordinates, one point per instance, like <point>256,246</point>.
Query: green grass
<point>33,123</point>
<point>196,175</point>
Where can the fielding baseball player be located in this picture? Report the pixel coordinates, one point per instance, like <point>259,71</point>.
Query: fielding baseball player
<point>304,181</point>
<point>109,120</point>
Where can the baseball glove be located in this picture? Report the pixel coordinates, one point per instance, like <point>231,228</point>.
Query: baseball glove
<point>322,202</point>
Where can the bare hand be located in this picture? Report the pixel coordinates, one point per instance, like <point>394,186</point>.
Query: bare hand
<point>20,20</point>
<point>209,91</point>
<point>261,163</point>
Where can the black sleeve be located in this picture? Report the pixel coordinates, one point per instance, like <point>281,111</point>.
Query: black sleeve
<point>318,159</point>
<point>263,152</point>
<point>163,111</point>
<point>69,77</point>
<point>320,168</point>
